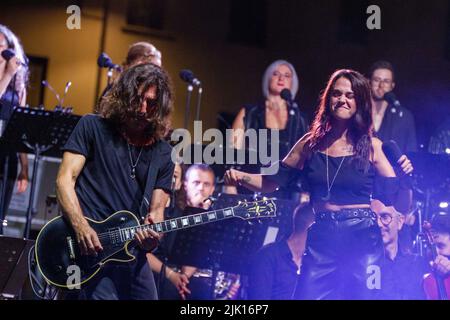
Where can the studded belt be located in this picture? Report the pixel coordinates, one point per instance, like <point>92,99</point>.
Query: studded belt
<point>345,214</point>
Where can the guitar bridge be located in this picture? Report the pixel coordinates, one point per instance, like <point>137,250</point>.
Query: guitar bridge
<point>71,248</point>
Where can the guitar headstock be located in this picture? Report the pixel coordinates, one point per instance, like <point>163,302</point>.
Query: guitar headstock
<point>264,208</point>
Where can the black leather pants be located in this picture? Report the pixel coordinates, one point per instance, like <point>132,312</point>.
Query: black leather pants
<point>342,257</point>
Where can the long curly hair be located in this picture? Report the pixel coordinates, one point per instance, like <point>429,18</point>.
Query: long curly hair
<point>360,128</point>
<point>123,101</point>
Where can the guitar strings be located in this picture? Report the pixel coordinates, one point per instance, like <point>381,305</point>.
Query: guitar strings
<point>111,234</point>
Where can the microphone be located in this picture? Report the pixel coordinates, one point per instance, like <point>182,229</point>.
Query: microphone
<point>68,84</point>
<point>286,95</point>
<point>211,200</point>
<point>104,61</point>
<point>391,98</point>
<point>188,76</point>
<point>46,84</point>
<point>392,152</point>
<point>8,54</point>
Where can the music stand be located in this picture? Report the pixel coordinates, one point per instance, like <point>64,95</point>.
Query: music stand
<point>227,245</point>
<point>13,266</point>
<point>40,132</point>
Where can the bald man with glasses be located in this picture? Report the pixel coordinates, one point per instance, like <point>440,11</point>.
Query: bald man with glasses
<point>401,272</point>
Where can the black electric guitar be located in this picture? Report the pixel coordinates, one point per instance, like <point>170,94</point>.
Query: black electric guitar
<point>58,255</point>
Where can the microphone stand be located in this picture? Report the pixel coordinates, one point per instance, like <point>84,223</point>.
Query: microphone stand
<point>197,115</point>
<point>291,109</point>
<point>420,234</point>
<point>68,84</point>
<point>109,76</point>
<point>188,104</point>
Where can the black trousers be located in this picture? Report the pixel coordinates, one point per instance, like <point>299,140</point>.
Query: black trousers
<point>122,281</point>
<point>343,256</point>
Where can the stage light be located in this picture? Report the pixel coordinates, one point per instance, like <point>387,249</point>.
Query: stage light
<point>443,205</point>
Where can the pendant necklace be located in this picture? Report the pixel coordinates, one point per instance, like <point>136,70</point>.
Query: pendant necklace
<point>133,165</point>
<point>330,186</point>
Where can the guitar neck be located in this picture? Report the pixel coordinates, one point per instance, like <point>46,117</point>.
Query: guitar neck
<point>127,234</point>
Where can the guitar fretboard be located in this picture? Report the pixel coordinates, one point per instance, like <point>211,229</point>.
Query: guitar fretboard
<point>127,234</point>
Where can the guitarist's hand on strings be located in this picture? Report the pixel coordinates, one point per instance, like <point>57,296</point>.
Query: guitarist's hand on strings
<point>147,239</point>
<point>88,240</point>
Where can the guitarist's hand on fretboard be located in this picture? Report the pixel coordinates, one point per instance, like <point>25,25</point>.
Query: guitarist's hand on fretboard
<point>147,239</point>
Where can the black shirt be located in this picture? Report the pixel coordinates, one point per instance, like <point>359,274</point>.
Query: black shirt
<point>105,186</point>
<point>402,278</point>
<point>255,118</point>
<point>349,185</point>
<point>273,273</point>
<point>398,125</point>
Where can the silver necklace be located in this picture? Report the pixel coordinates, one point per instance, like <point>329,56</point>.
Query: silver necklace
<point>133,165</point>
<point>329,187</point>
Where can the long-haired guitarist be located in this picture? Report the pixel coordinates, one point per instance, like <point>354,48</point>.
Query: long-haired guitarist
<point>106,168</point>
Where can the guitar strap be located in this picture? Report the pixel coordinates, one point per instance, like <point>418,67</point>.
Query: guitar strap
<point>152,174</point>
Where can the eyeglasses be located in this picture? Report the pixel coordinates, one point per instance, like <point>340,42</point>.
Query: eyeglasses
<point>385,218</point>
<point>386,82</point>
<point>279,75</point>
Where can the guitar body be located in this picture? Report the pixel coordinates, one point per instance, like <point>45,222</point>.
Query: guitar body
<point>57,250</point>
